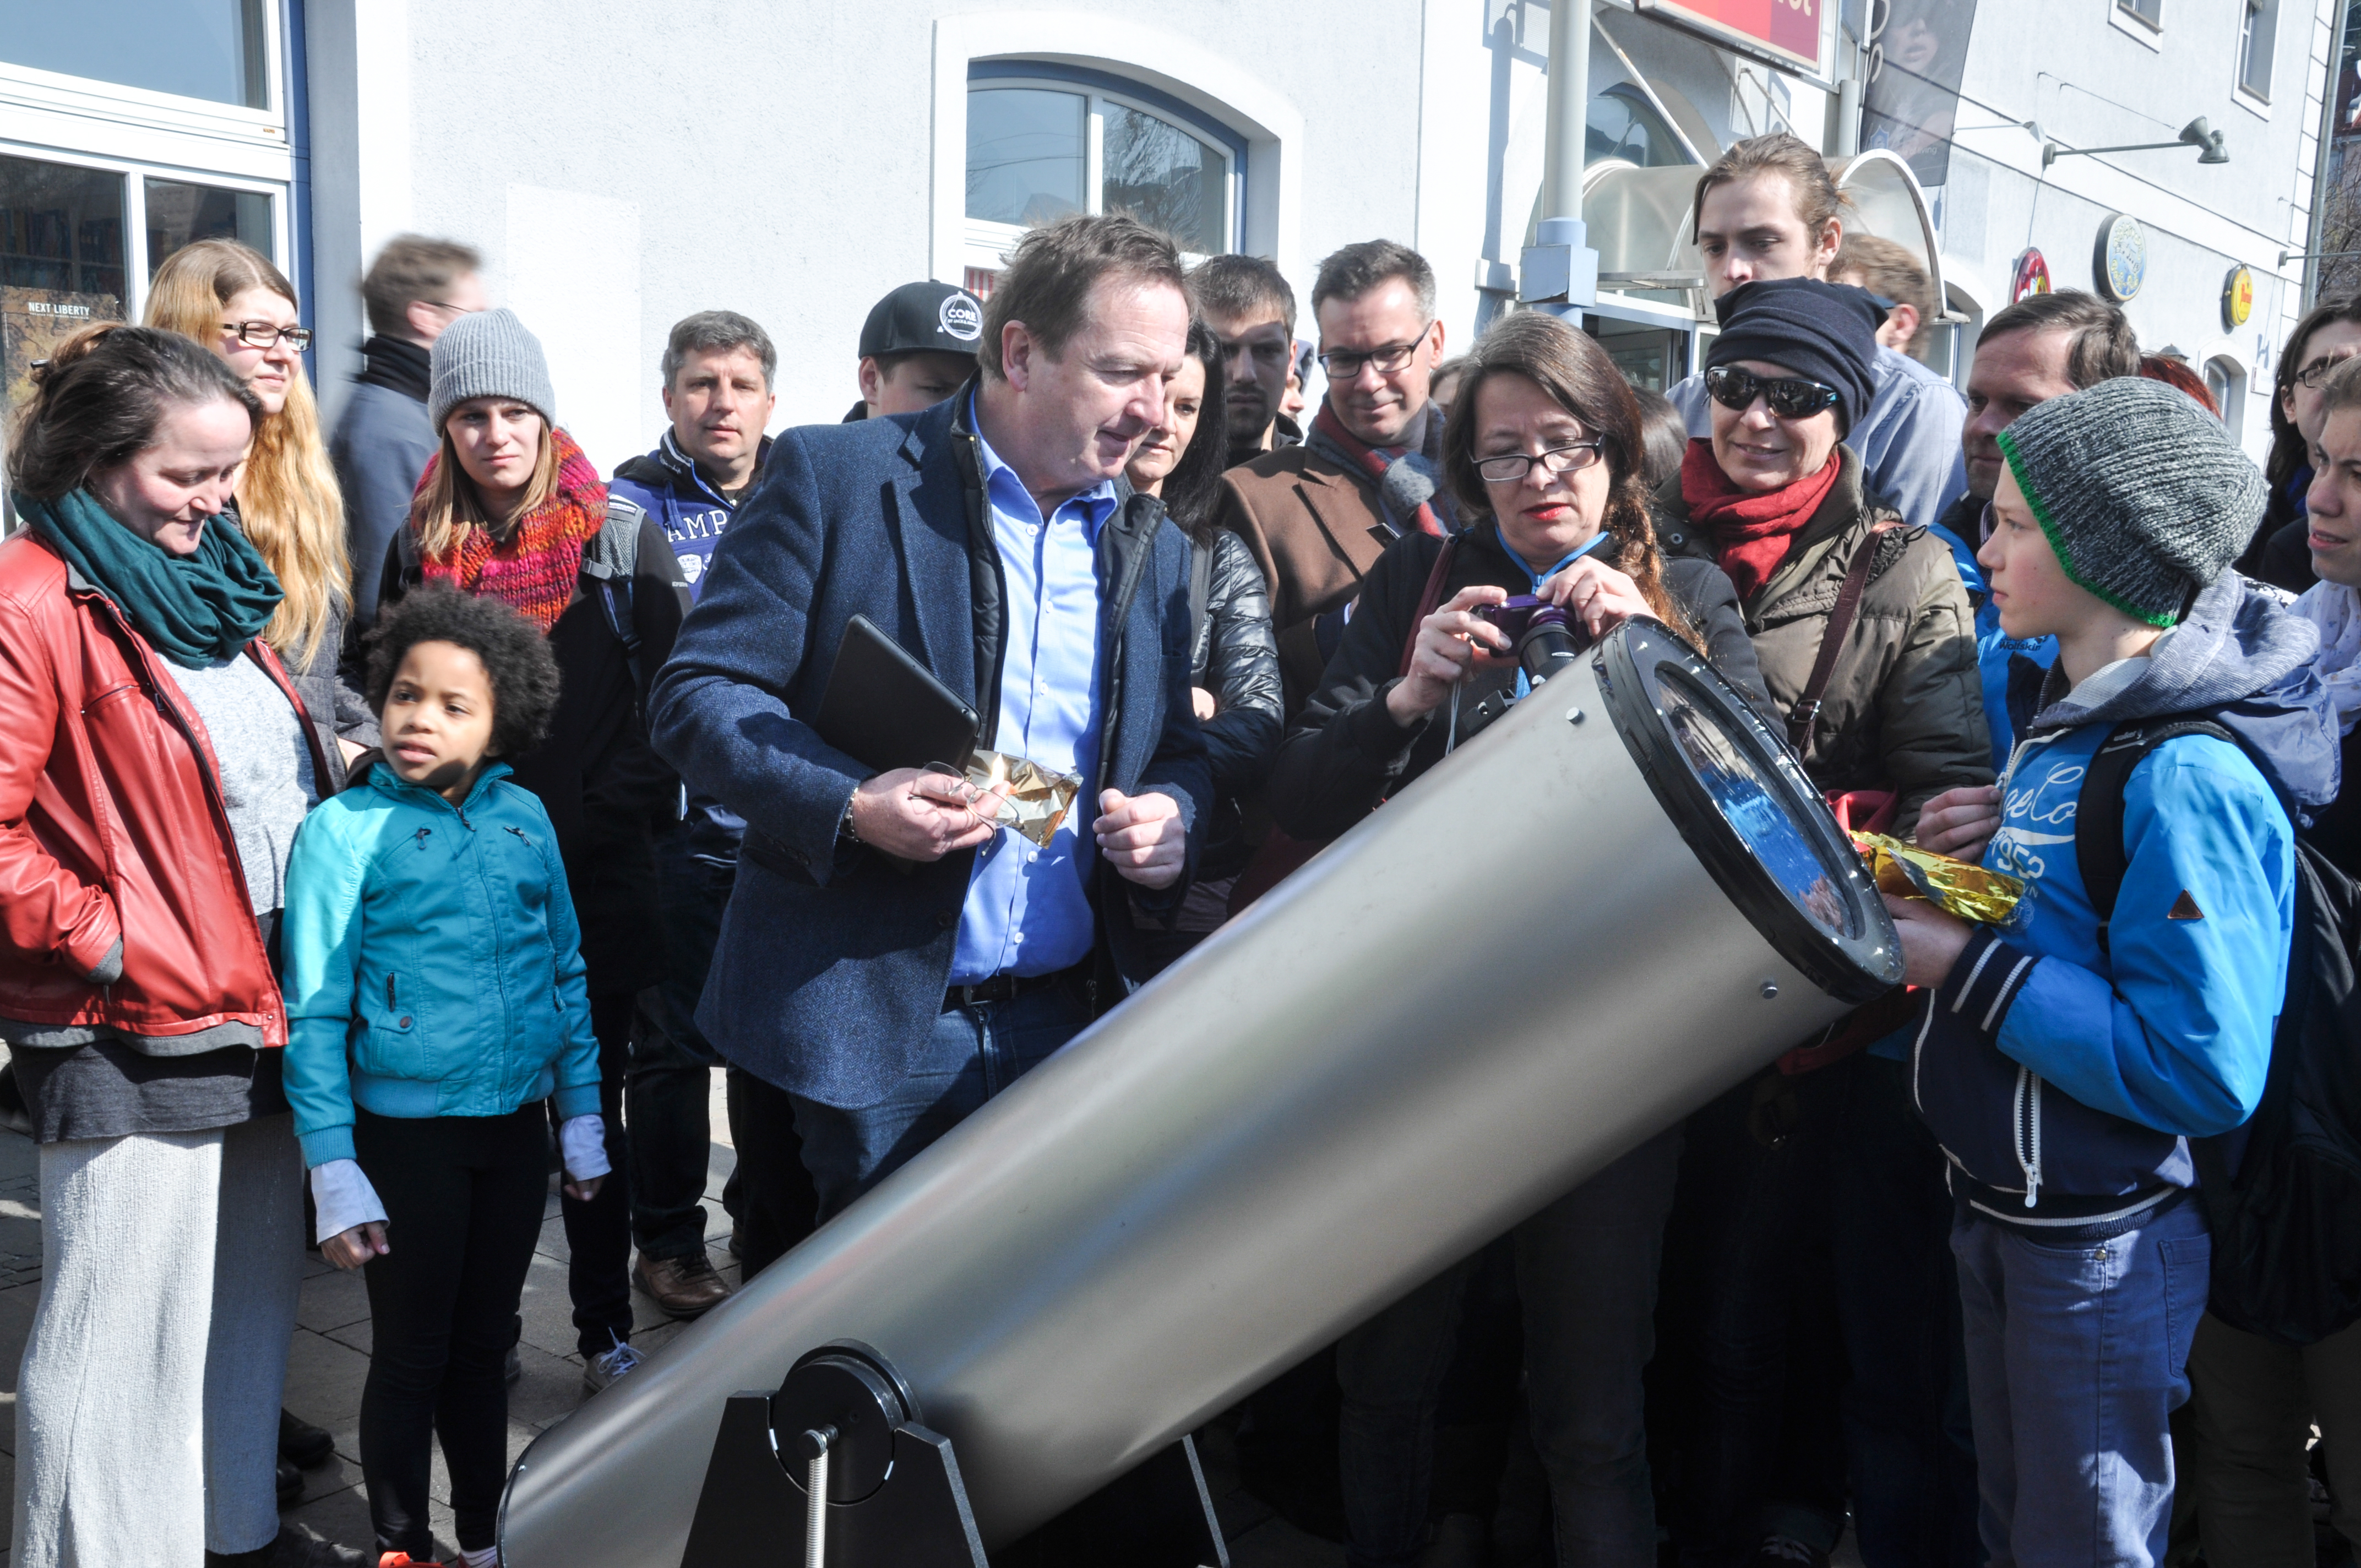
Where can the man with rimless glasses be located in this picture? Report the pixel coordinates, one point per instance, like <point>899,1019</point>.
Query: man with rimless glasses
<point>1318,515</point>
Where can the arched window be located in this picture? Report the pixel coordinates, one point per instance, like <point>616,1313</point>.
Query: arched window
<point>2227,382</point>
<point>1045,140</point>
<point>1623,124</point>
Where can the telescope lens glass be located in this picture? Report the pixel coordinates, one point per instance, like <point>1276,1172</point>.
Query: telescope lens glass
<point>1749,800</point>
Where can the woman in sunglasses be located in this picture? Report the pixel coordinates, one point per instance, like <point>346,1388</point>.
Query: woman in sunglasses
<point>231,300</point>
<point>1867,644</point>
<point>1545,454</point>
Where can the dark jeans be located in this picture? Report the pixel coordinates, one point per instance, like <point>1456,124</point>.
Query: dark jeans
<point>1820,1299</point>
<point>668,1084</point>
<point>777,1204</point>
<point>971,1054</point>
<point>598,1234</point>
<point>462,1199</point>
<point>1586,1269</point>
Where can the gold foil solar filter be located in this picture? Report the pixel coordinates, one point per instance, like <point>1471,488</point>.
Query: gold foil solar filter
<point>1036,799</point>
<point>1957,887</point>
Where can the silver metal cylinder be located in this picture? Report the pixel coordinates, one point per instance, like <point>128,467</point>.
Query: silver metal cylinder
<point>1514,971</point>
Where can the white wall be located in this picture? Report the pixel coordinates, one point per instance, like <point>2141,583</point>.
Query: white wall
<point>622,165</point>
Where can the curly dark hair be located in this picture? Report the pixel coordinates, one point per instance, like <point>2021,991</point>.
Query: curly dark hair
<point>514,653</point>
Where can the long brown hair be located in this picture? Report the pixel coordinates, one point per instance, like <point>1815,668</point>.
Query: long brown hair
<point>1572,368</point>
<point>449,504</point>
<point>288,502</point>
<point>2288,453</point>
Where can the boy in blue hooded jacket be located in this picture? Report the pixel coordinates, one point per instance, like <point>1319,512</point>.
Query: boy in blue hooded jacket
<point>434,1001</point>
<point>2065,1063</point>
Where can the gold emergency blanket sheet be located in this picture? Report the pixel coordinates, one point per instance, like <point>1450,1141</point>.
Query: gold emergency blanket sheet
<point>1034,800</point>
<point>1957,887</point>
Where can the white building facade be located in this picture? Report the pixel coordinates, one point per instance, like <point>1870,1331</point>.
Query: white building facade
<point>621,165</point>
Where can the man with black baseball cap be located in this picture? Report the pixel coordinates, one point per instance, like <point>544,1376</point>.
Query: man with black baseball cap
<point>918,347</point>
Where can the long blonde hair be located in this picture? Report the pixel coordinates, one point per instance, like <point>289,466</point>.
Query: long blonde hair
<point>449,505</point>
<point>288,501</point>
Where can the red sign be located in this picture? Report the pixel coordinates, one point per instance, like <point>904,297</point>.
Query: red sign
<point>1785,32</point>
<point>2030,276</point>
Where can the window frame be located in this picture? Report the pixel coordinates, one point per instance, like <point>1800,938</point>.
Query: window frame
<point>2126,18</point>
<point>34,88</point>
<point>135,173</point>
<point>983,242</point>
<point>2252,15</point>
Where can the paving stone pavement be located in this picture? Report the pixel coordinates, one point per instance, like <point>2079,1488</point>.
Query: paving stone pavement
<point>328,1362</point>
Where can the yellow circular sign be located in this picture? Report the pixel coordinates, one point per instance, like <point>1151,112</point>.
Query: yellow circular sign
<point>2237,298</point>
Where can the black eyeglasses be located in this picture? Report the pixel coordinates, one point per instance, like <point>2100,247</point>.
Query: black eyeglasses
<point>2320,370</point>
<point>262,334</point>
<point>1790,397</point>
<point>1394,356</point>
<point>1511,468</point>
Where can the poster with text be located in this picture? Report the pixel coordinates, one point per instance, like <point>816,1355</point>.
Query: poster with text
<point>34,321</point>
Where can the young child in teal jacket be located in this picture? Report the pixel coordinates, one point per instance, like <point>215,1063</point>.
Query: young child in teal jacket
<point>434,1001</point>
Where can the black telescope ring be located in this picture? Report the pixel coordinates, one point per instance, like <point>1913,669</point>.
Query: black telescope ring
<point>1635,666</point>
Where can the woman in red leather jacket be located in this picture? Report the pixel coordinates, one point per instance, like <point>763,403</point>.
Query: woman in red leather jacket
<point>155,762</point>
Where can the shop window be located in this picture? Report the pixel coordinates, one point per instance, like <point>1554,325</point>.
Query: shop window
<point>1044,141</point>
<point>179,213</point>
<point>214,50</point>
<point>2257,32</point>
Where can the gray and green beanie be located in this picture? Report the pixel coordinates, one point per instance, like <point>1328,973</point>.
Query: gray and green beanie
<point>2143,494</point>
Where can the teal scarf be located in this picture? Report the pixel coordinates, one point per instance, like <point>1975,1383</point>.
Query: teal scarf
<point>194,609</point>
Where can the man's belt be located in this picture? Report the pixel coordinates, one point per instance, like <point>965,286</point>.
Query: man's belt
<point>1008,987</point>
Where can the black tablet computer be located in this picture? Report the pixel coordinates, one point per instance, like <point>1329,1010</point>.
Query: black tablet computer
<point>887,710</point>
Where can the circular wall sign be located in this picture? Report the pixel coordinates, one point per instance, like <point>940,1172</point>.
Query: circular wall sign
<point>2237,299</point>
<point>2120,263</point>
<point>2029,276</point>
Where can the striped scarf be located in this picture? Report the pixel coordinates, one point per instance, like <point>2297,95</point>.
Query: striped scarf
<point>534,570</point>
<point>1408,494</point>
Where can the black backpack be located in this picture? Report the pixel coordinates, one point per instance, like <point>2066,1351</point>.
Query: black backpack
<point>2283,1193</point>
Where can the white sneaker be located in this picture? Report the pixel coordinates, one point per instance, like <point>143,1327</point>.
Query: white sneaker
<point>609,1364</point>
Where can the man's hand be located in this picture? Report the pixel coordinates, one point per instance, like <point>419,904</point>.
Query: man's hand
<point>1931,939</point>
<point>922,815</point>
<point>350,1249</point>
<point>1204,703</point>
<point>1142,837</point>
<point>1960,822</point>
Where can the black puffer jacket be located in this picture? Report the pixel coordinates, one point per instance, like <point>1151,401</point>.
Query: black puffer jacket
<point>1346,752</point>
<point>1236,657</point>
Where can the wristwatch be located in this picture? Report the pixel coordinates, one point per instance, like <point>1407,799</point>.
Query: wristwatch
<point>844,830</point>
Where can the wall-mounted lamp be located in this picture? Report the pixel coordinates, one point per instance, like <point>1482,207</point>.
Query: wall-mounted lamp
<point>2196,133</point>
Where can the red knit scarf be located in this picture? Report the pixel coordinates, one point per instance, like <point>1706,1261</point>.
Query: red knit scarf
<point>1375,460</point>
<point>1752,530</point>
<point>534,570</point>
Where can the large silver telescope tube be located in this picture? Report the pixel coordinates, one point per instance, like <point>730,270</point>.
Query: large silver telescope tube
<point>1617,902</point>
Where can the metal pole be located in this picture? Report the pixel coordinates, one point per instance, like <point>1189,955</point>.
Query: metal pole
<point>1569,108</point>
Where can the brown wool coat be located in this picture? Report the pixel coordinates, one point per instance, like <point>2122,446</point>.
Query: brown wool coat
<point>1315,530</point>
<point>1903,710</point>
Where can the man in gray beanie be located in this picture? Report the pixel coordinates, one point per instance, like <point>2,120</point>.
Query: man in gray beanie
<point>2067,1059</point>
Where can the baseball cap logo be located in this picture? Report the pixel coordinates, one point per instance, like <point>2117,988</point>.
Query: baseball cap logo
<point>961,317</point>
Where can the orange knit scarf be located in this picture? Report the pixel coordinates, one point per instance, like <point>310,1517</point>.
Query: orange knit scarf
<point>535,569</point>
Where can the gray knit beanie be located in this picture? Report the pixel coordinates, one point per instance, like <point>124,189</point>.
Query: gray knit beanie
<point>2143,494</point>
<point>488,354</point>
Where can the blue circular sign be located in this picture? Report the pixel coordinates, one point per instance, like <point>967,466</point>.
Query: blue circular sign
<point>2119,264</point>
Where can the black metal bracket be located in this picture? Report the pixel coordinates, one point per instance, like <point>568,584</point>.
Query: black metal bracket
<point>895,1494</point>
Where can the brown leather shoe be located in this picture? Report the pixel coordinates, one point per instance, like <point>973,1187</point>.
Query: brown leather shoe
<point>685,1287</point>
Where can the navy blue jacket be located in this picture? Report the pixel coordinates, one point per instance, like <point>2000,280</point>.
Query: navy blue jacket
<point>831,964</point>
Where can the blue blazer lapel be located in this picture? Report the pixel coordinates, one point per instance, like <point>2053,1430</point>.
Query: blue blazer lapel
<point>930,521</point>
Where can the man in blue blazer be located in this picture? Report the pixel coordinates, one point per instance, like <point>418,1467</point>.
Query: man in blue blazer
<point>872,1004</point>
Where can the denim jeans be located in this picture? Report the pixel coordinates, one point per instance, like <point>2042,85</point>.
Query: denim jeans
<point>1587,1275</point>
<point>2077,1357</point>
<point>971,1054</point>
<point>1819,1313</point>
<point>667,1087</point>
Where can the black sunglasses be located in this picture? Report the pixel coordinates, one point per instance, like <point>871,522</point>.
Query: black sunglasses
<point>1790,397</point>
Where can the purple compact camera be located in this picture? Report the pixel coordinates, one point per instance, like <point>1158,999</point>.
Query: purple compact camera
<point>1513,617</point>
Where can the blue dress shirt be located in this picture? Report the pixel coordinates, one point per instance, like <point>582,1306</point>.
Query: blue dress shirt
<point>1027,909</point>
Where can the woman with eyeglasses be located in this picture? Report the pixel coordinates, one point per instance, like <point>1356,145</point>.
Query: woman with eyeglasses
<point>2325,339</point>
<point>231,300</point>
<point>1545,453</point>
<point>1867,644</point>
